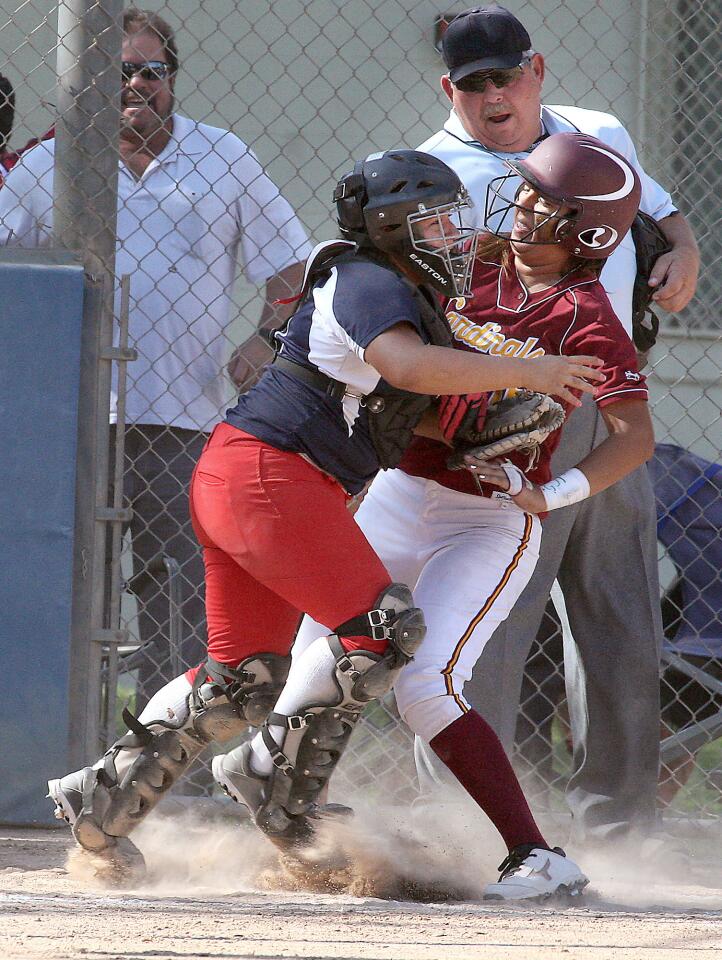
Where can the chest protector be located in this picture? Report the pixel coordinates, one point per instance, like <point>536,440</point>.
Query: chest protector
<point>392,413</point>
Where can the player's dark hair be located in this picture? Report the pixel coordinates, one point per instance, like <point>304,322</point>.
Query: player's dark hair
<point>7,110</point>
<point>493,247</point>
<point>145,21</point>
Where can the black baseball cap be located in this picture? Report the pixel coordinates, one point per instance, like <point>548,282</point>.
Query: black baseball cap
<point>483,38</point>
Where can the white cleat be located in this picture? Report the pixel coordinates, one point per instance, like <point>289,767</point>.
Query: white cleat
<point>67,792</point>
<point>232,772</point>
<point>532,873</point>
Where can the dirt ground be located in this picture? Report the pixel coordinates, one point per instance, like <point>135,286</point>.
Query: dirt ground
<point>218,890</point>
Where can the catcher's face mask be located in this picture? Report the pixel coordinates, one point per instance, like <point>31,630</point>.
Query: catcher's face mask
<point>522,214</point>
<point>446,247</point>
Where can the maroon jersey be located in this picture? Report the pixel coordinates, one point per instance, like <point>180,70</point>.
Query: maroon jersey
<point>503,319</point>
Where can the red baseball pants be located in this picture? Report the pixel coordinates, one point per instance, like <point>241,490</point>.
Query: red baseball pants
<point>278,541</point>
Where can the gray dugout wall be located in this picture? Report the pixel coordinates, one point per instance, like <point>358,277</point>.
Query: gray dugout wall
<point>40,351</point>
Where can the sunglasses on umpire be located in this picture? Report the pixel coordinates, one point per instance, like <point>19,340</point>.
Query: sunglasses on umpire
<point>476,82</point>
<point>154,70</point>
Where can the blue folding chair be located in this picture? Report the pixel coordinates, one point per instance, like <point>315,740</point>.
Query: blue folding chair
<point>688,491</point>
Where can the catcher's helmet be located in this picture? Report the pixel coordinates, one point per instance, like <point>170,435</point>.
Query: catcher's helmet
<point>578,171</point>
<point>409,204</point>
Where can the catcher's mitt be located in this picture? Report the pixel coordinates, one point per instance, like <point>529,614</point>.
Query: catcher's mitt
<point>518,423</point>
<point>461,418</point>
<point>649,244</point>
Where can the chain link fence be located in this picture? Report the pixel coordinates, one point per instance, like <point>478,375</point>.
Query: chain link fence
<point>308,87</point>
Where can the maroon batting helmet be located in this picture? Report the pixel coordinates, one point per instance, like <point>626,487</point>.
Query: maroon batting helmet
<point>578,171</point>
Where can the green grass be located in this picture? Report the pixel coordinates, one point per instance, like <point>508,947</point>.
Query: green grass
<point>701,796</point>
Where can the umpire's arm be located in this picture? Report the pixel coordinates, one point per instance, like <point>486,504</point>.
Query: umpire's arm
<point>675,273</point>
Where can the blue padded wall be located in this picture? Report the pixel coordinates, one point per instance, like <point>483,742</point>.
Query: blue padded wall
<point>40,332</point>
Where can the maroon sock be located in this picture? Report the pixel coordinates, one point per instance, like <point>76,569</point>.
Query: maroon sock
<point>474,754</point>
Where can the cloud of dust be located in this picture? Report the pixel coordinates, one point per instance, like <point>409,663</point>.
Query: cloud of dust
<point>393,854</point>
<point>659,871</point>
<point>186,853</point>
<point>442,853</point>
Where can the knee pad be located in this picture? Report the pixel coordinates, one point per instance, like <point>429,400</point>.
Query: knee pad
<point>251,688</point>
<point>250,691</point>
<point>314,737</point>
<point>394,619</point>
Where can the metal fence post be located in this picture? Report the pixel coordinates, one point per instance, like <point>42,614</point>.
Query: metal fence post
<point>84,220</point>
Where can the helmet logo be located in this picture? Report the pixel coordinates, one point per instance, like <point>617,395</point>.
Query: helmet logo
<point>429,269</point>
<point>626,187</point>
<point>598,238</point>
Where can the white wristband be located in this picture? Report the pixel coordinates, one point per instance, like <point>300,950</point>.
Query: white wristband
<point>516,478</point>
<point>568,488</point>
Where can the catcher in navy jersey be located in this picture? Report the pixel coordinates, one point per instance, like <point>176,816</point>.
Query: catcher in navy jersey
<point>353,376</point>
<point>467,540</point>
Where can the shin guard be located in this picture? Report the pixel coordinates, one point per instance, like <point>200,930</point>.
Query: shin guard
<point>105,802</point>
<point>307,741</point>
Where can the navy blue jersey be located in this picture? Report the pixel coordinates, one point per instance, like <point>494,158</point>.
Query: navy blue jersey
<point>330,332</point>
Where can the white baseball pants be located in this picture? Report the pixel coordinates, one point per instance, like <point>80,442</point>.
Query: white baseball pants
<point>467,559</point>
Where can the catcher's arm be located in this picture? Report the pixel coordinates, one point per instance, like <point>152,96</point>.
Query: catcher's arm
<point>630,444</point>
<point>404,360</point>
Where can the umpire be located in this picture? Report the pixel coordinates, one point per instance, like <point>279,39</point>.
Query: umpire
<point>602,551</point>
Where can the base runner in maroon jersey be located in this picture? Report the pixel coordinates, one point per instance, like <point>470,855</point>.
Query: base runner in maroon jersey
<point>468,540</point>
